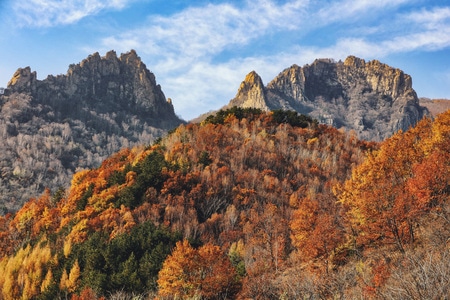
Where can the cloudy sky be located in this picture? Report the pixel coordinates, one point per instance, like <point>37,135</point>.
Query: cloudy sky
<point>201,50</point>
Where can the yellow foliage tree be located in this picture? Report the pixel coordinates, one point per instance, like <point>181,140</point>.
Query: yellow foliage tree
<point>177,277</point>
<point>21,274</point>
<point>47,281</point>
<point>63,281</point>
<point>69,282</point>
<point>67,248</point>
<point>74,276</point>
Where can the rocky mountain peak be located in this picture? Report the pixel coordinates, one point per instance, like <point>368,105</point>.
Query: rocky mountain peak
<point>251,93</point>
<point>23,80</point>
<point>381,77</point>
<point>131,57</point>
<point>371,98</point>
<point>53,127</point>
<point>105,84</point>
<point>354,62</point>
<point>96,65</point>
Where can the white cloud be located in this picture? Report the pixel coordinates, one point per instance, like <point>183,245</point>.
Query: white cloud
<point>47,13</point>
<point>350,10</point>
<point>430,19</point>
<point>424,30</point>
<point>205,31</point>
<point>184,50</point>
<point>427,40</point>
<point>181,48</point>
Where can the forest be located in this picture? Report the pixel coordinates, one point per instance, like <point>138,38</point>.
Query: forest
<point>43,148</point>
<point>245,205</point>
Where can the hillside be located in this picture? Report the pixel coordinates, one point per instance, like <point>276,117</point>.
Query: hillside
<point>435,106</point>
<point>246,204</point>
<point>370,98</point>
<point>53,127</point>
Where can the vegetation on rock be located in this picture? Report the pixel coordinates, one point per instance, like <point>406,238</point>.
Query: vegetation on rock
<point>52,128</point>
<point>371,98</point>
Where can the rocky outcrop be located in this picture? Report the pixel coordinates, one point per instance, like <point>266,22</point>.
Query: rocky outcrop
<point>50,128</point>
<point>108,84</point>
<point>251,93</point>
<point>23,81</point>
<point>371,98</point>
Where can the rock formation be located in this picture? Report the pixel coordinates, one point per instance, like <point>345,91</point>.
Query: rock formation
<point>251,93</point>
<point>371,98</point>
<point>104,84</point>
<point>52,127</point>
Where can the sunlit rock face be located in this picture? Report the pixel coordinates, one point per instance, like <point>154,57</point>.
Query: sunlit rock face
<point>251,93</point>
<point>54,127</point>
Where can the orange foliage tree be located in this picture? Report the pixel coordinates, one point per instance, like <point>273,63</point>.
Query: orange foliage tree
<point>224,183</point>
<point>205,272</point>
<point>398,184</point>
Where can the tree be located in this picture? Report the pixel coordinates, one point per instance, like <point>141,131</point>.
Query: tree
<point>394,187</point>
<point>378,209</point>
<point>218,276</point>
<point>177,277</point>
<point>205,272</point>
<point>127,277</point>
<point>48,280</point>
<point>266,240</point>
<point>63,281</point>
<point>315,227</point>
<point>420,276</point>
<point>74,276</point>
<point>86,294</point>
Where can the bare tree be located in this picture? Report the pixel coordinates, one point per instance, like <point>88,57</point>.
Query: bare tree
<point>421,276</point>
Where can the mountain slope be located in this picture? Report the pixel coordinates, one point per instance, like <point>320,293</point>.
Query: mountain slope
<point>371,98</point>
<point>216,182</point>
<point>55,126</point>
<point>272,204</point>
<point>435,106</point>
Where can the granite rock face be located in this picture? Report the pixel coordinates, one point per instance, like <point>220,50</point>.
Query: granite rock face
<point>108,84</point>
<point>371,98</point>
<point>54,127</point>
<point>251,93</point>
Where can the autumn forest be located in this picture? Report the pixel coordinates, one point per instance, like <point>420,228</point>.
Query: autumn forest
<point>244,205</point>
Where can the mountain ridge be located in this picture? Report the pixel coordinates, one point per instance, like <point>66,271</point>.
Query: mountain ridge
<point>55,126</point>
<point>435,106</point>
<point>123,80</point>
<point>371,98</point>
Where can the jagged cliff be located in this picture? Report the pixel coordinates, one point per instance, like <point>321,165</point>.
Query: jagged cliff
<point>371,98</point>
<point>54,126</point>
<point>251,93</point>
<point>435,106</point>
<point>108,84</point>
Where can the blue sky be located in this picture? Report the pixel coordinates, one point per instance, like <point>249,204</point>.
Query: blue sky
<point>200,51</point>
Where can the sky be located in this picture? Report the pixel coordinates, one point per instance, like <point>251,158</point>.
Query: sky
<point>200,51</point>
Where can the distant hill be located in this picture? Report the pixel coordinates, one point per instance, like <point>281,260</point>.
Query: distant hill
<point>51,128</point>
<point>435,106</point>
<point>370,98</point>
